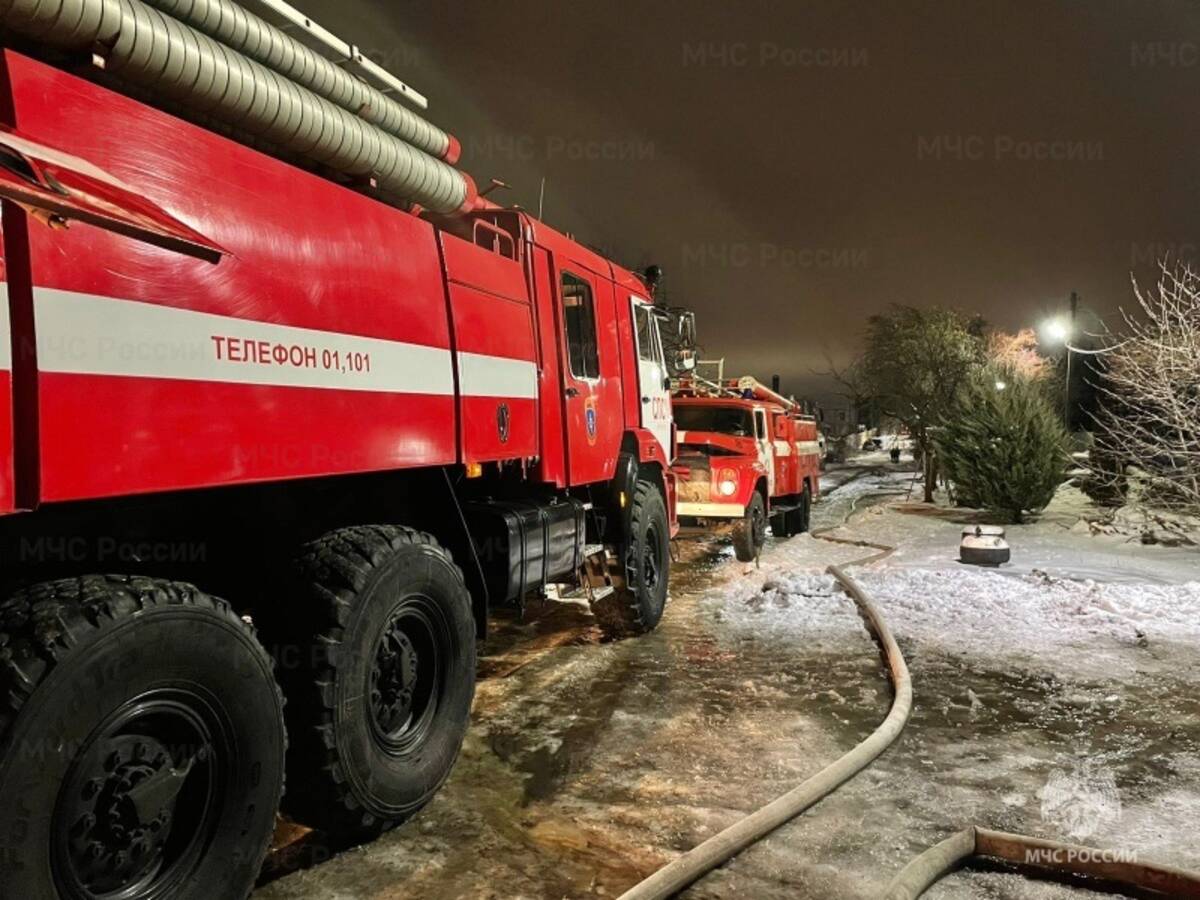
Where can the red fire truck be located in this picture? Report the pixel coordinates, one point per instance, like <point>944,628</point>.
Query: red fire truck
<point>319,379</point>
<point>748,455</point>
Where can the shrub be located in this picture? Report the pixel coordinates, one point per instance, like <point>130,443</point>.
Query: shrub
<point>1002,444</point>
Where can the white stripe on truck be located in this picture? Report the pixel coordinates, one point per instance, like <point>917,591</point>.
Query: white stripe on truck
<point>85,334</point>
<point>5,329</point>
<point>494,376</point>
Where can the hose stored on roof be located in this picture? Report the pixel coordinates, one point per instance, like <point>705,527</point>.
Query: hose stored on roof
<point>152,50</point>
<point>241,30</point>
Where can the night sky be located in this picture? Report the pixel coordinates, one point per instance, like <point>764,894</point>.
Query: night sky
<point>795,167</point>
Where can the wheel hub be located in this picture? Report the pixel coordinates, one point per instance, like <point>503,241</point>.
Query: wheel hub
<point>111,844</point>
<point>394,678</point>
<point>406,675</point>
<point>650,561</point>
<point>130,815</point>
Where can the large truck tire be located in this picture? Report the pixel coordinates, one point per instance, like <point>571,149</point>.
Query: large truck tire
<point>376,649</point>
<point>141,743</point>
<point>644,569</point>
<point>750,531</point>
<point>804,513</point>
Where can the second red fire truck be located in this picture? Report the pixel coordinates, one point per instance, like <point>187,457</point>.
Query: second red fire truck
<point>747,456</point>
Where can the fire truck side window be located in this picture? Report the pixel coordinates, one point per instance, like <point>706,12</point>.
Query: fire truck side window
<point>580,319</point>
<point>645,334</point>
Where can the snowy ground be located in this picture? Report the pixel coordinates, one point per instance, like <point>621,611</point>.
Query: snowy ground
<point>1057,696</point>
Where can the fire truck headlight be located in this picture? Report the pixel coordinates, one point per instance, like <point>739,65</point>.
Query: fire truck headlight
<point>727,485</point>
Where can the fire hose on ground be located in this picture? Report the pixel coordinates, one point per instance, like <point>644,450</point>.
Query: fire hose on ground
<point>1051,857</point>
<point>1018,850</point>
<point>719,848</point>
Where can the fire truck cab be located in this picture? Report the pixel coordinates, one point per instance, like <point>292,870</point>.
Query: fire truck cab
<point>746,455</point>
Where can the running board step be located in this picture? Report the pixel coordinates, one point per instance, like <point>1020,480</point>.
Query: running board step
<point>589,594</point>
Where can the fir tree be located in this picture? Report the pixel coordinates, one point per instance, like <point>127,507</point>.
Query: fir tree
<point>1002,445</point>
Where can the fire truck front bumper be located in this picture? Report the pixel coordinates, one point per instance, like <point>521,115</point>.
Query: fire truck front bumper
<point>711,510</point>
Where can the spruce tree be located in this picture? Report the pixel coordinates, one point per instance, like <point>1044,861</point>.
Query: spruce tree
<point>1002,444</point>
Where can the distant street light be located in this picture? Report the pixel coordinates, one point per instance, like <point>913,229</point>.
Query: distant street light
<point>1057,331</point>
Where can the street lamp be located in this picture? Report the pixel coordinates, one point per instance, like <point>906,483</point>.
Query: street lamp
<point>1057,331</point>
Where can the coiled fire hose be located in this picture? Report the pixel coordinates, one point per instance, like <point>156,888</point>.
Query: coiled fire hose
<point>925,870</point>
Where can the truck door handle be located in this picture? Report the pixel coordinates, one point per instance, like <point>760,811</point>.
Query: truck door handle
<point>572,392</point>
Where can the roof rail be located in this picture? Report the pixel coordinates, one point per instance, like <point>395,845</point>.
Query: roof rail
<point>349,53</point>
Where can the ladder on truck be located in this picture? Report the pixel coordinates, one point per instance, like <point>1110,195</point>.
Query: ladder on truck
<point>706,380</point>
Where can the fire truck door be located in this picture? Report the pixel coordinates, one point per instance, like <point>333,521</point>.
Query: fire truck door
<point>654,388</point>
<point>766,447</point>
<point>592,420</point>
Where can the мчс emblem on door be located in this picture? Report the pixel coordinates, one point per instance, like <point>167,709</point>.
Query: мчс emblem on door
<point>589,418</point>
<point>502,422</point>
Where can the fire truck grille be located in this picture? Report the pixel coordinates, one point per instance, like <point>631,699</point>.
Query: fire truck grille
<point>695,488</point>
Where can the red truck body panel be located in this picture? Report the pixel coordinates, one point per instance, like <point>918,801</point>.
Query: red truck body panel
<point>335,334</point>
<point>315,345</point>
<point>495,348</point>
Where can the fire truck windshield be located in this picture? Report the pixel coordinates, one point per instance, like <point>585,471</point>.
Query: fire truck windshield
<point>731,420</point>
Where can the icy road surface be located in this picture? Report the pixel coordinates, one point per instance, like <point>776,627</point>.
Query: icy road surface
<point>1057,696</point>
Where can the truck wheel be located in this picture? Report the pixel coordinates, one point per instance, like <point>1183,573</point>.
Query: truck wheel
<point>637,604</point>
<point>750,531</point>
<point>141,743</point>
<point>804,513</point>
<point>377,663</point>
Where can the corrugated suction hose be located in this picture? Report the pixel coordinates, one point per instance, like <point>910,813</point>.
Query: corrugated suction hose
<point>241,30</point>
<point>159,53</point>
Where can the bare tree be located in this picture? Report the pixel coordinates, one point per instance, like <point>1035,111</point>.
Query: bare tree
<point>1150,413</point>
<point>1018,353</point>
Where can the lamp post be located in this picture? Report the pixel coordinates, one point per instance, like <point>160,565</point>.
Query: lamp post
<point>1067,344</point>
<point>1060,331</point>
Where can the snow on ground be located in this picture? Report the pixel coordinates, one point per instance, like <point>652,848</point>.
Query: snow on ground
<point>1054,623</point>
<point>1067,675</point>
<point>1059,625</point>
<point>1068,600</point>
<point>1058,542</point>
